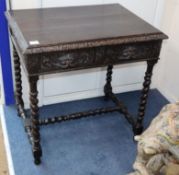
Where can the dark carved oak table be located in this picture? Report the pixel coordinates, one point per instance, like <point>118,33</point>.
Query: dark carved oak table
<point>72,38</point>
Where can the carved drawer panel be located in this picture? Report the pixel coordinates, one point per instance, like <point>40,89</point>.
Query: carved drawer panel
<point>68,60</point>
<point>92,57</point>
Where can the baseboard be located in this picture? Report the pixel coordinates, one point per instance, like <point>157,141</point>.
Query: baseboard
<point>168,95</point>
<point>89,94</point>
<point>85,94</point>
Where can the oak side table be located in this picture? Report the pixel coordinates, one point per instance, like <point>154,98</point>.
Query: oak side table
<point>55,40</point>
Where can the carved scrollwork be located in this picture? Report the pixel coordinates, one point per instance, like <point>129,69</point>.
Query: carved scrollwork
<point>62,61</point>
<point>92,57</point>
<point>137,51</point>
<point>129,51</point>
<point>67,60</point>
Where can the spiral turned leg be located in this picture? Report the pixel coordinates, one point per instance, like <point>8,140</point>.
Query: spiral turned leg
<point>108,87</point>
<point>143,101</point>
<point>18,82</point>
<point>36,147</point>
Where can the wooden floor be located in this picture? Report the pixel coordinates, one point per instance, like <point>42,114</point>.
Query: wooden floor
<point>3,160</point>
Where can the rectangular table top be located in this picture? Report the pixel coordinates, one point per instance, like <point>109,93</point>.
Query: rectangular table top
<point>40,30</point>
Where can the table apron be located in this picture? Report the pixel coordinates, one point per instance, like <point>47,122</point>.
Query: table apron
<point>64,61</point>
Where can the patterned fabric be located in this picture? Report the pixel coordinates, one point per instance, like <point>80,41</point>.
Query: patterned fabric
<point>158,146</point>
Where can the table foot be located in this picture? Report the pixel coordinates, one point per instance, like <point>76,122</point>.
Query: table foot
<point>37,162</point>
<point>138,130</point>
<point>37,156</point>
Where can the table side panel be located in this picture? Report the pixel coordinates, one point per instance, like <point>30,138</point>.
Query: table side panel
<point>19,52</point>
<point>91,57</point>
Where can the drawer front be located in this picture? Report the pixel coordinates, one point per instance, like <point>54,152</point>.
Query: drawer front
<point>93,57</point>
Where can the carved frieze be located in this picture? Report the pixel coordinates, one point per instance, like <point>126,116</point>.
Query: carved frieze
<point>92,57</point>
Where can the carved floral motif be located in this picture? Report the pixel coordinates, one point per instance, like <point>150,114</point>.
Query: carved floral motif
<point>92,57</point>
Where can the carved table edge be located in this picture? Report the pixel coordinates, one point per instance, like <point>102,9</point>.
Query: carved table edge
<point>93,43</point>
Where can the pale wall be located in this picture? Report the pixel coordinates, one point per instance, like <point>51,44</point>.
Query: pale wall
<point>168,67</point>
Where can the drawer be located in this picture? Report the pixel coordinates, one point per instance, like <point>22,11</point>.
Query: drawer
<point>92,57</point>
